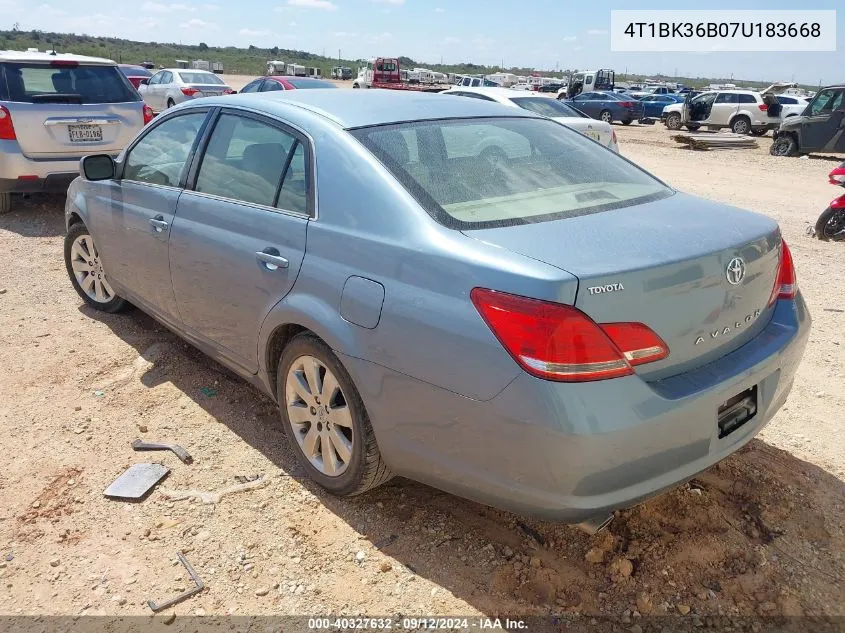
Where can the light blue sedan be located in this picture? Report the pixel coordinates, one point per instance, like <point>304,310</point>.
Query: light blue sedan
<point>545,327</point>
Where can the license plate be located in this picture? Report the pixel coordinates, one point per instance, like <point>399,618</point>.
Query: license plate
<point>85,133</point>
<point>592,134</point>
<point>737,411</point>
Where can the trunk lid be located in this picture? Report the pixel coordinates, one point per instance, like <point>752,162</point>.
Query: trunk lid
<point>665,264</point>
<point>596,130</point>
<point>208,90</point>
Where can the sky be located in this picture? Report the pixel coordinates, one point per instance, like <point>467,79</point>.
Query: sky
<point>539,34</point>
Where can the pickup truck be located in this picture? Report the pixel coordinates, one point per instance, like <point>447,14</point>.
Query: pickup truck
<point>384,72</point>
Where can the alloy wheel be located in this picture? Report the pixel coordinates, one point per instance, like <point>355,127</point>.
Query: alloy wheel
<point>319,416</point>
<point>88,270</point>
<point>606,117</point>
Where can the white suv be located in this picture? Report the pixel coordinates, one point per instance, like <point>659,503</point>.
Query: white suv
<point>56,108</point>
<point>743,111</point>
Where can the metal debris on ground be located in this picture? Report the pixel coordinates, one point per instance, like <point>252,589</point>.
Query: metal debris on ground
<point>715,140</point>
<point>530,531</point>
<point>181,453</point>
<point>199,585</point>
<point>213,498</point>
<point>243,479</point>
<point>208,392</point>
<point>136,481</point>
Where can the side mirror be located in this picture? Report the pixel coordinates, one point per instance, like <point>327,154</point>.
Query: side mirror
<point>145,82</point>
<point>97,167</point>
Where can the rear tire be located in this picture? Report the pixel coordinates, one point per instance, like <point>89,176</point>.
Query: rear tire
<point>758,132</point>
<point>316,411</point>
<point>784,146</point>
<point>5,202</point>
<point>741,125</point>
<point>628,122</point>
<point>831,222</point>
<point>170,103</point>
<point>673,121</point>
<point>606,116</point>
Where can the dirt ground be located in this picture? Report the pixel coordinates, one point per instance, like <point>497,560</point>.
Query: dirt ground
<point>760,534</point>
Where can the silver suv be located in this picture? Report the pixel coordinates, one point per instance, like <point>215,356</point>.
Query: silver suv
<point>54,109</point>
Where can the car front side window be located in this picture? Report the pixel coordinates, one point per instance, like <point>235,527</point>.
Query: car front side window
<point>155,79</point>
<point>252,86</point>
<point>160,156</point>
<point>246,160</point>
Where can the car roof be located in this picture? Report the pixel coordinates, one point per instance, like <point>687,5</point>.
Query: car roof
<point>293,77</point>
<point>187,70</point>
<point>363,108</point>
<point>489,90</point>
<point>33,56</point>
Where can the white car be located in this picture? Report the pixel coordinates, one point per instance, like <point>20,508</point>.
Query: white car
<point>550,107</point>
<point>743,111</point>
<point>172,86</point>
<point>792,105</point>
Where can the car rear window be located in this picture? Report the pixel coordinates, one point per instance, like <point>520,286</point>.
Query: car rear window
<point>304,84</point>
<point>547,107</point>
<point>201,78</point>
<point>135,71</point>
<point>85,83</point>
<point>483,172</point>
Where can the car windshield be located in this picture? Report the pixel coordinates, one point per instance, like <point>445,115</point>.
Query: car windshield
<point>481,173</point>
<point>304,84</point>
<point>547,107</point>
<point>201,78</point>
<point>30,83</point>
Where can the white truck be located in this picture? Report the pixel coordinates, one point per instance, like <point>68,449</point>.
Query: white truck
<point>296,70</point>
<point>276,67</point>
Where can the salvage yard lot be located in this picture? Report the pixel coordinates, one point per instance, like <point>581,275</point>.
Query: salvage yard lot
<point>759,534</point>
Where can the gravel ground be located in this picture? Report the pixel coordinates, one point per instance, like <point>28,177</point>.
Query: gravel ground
<point>759,534</point>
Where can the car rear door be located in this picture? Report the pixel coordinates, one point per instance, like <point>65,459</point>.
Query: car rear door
<point>132,229</point>
<point>66,109</point>
<point>238,239</point>
<point>724,107</point>
<point>823,127</point>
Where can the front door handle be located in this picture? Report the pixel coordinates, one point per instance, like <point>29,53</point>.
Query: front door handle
<point>271,259</point>
<point>158,223</point>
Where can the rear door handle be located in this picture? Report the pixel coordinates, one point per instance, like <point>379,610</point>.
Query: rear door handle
<point>271,259</point>
<point>158,223</point>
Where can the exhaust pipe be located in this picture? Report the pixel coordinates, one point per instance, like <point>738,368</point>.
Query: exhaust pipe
<point>596,524</point>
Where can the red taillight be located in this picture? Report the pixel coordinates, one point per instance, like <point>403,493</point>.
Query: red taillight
<point>786,284</point>
<point>7,128</point>
<point>837,176</point>
<point>148,114</point>
<point>228,91</point>
<point>613,136</point>
<point>559,342</point>
<point>763,107</point>
<point>626,104</point>
<point>189,92</point>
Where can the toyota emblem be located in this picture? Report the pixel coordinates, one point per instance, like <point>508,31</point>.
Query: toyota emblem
<point>735,271</point>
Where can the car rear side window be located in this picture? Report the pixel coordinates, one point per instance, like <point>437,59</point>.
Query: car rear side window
<point>82,83</point>
<point>746,98</point>
<point>160,156</point>
<point>480,173</point>
<point>254,162</point>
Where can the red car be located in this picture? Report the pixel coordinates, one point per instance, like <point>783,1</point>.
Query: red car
<point>268,84</point>
<point>134,73</point>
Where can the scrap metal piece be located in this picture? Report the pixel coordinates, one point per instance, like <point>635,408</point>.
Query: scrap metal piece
<point>199,586</point>
<point>181,453</point>
<point>136,481</point>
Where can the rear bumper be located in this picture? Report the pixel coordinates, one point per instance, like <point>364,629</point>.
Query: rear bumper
<point>570,451</point>
<point>21,174</point>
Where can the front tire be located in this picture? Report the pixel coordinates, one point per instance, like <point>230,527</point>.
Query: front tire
<point>325,419</point>
<point>85,269</point>
<point>673,121</point>
<point>831,225</point>
<point>784,145</point>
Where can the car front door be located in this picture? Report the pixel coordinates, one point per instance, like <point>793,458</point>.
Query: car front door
<point>238,239</point>
<point>823,127</point>
<point>724,107</point>
<point>151,97</point>
<point>587,103</point>
<point>133,233</point>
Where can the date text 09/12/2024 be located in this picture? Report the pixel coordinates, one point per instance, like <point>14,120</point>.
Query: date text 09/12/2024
<point>415,623</point>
